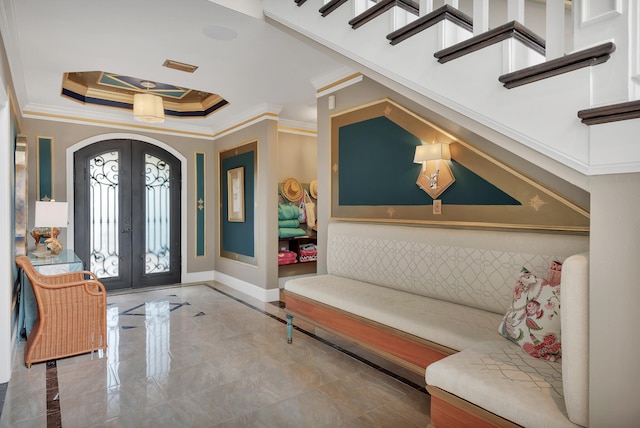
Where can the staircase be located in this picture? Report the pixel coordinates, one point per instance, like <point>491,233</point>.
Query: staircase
<point>578,106</point>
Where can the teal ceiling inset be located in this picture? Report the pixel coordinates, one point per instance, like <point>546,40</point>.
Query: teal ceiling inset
<point>115,90</point>
<point>133,83</point>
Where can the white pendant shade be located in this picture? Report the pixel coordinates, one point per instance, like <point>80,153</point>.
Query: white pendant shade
<point>148,108</point>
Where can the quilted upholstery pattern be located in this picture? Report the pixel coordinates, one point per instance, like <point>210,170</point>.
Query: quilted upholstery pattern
<point>471,272</point>
<point>499,377</point>
<point>454,326</point>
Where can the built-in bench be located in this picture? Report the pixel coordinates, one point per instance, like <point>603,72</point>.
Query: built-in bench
<point>423,297</point>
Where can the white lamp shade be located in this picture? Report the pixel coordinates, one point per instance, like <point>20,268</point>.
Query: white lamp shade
<point>148,108</point>
<point>51,214</point>
<point>435,151</point>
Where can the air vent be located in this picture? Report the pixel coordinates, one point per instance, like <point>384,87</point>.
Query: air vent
<point>180,66</point>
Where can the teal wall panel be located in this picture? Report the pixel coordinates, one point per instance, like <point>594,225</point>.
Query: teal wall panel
<point>45,168</point>
<point>376,169</point>
<point>471,189</point>
<point>201,205</point>
<point>376,164</point>
<point>238,237</point>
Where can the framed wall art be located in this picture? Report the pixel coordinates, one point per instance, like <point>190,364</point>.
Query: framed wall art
<point>235,194</point>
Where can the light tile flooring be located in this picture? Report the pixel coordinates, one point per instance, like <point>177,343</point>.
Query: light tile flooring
<point>207,356</point>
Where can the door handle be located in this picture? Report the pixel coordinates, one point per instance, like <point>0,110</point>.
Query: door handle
<point>126,230</point>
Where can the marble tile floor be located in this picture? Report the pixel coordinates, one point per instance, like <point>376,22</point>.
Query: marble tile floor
<point>3,393</point>
<point>208,356</point>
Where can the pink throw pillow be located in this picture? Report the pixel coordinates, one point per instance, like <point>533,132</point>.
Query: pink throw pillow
<point>533,319</point>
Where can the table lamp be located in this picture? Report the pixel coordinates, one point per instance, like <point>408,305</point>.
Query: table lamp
<point>50,217</point>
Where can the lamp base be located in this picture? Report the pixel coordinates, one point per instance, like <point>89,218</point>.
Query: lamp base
<point>40,233</point>
<point>54,246</point>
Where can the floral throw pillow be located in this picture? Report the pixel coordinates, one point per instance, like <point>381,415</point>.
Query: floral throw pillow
<point>533,320</point>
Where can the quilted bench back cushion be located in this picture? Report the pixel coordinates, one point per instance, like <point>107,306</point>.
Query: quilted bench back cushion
<point>475,268</point>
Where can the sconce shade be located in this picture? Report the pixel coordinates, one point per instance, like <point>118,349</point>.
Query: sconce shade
<point>148,108</point>
<point>51,214</point>
<point>435,151</point>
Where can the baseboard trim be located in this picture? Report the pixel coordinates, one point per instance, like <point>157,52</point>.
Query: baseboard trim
<point>247,288</point>
<point>197,277</point>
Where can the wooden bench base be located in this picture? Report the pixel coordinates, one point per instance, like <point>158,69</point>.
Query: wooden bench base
<point>406,350</point>
<point>449,411</point>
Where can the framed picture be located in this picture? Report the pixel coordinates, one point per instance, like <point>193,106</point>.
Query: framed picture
<point>235,194</point>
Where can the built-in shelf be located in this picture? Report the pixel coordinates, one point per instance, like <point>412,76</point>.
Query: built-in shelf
<point>293,244</point>
<point>295,269</point>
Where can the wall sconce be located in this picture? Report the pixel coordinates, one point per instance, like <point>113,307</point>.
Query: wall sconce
<point>50,216</point>
<point>435,176</point>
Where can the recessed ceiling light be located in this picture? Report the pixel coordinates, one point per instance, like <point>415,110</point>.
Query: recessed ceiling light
<point>218,32</point>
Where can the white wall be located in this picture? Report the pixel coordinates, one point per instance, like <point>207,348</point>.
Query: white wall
<point>297,157</point>
<point>260,280</point>
<point>614,296</point>
<point>6,235</point>
<point>595,22</point>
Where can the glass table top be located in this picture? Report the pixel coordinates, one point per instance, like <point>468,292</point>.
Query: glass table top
<point>65,257</point>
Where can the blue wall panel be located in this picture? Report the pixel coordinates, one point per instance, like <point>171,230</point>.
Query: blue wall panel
<point>238,237</point>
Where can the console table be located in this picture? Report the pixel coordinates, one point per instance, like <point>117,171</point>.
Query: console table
<point>66,261</point>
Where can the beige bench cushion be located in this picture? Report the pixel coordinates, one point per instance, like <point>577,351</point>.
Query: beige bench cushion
<point>503,379</point>
<point>451,325</point>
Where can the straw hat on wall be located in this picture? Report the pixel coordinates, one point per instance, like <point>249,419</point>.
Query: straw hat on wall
<point>291,189</point>
<point>313,189</point>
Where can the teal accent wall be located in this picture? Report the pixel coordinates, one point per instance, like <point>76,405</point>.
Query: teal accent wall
<point>376,164</point>
<point>471,189</point>
<point>200,206</point>
<point>238,237</point>
<point>45,168</point>
<point>376,169</point>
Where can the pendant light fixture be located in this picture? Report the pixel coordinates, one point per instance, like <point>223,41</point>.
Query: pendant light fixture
<point>148,107</point>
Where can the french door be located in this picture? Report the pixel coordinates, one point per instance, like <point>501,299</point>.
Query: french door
<point>127,213</point>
